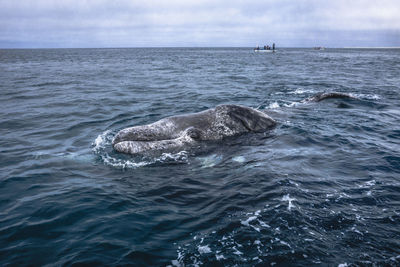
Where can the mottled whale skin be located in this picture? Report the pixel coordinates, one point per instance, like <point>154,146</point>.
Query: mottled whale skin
<point>180,131</point>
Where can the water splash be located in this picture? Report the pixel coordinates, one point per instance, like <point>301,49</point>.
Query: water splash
<point>210,161</point>
<point>300,91</point>
<point>289,200</point>
<point>274,105</point>
<point>366,96</point>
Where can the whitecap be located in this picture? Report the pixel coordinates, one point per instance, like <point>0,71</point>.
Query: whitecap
<point>370,183</point>
<point>257,242</point>
<point>366,96</point>
<point>273,105</point>
<point>300,91</point>
<point>219,257</point>
<point>210,161</point>
<point>236,251</point>
<point>285,243</point>
<point>204,249</point>
<point>289,200</point>
<point>291,104</point>
<point>263,224</point>
<point>247,223</point>
<point>181,157</point>
<point>239,159</point>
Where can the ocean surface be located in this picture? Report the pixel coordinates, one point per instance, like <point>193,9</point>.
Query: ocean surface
<point>321,189</point>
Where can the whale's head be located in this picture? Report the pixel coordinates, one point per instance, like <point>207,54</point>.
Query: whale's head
<point>123,135</point>
<point>251,119</point>
<point>143,133</point>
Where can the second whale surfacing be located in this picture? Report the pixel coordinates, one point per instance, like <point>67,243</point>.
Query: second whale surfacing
<point>327,95</point>
<point>176,132</point>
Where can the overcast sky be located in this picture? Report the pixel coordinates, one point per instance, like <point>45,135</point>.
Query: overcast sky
<point>124,23</point>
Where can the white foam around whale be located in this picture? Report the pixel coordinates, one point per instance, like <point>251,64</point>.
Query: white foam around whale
<point>102,148</point>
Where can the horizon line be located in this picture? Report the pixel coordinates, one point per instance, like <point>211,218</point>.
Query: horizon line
<point>150,47</point>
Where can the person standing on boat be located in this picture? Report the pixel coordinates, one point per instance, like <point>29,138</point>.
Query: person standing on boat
<point>273,46</point>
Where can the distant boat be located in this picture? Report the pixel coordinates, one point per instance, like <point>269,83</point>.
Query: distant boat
<point>319,48</point>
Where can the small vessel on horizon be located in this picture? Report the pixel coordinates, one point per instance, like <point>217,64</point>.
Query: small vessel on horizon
<point>267,49</point>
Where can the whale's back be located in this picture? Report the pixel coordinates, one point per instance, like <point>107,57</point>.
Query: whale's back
<point>251,119</point>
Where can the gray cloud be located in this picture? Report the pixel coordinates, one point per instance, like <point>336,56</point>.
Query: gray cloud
<point>100,23</point>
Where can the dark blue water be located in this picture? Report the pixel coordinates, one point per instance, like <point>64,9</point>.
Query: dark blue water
<point>323,188</point>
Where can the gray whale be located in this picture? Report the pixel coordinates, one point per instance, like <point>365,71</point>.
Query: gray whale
<point>327,95</point>
<point>210,125</point>
<point>179,131</point>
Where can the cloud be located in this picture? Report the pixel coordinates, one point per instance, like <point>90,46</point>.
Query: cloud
<point>99,23</point>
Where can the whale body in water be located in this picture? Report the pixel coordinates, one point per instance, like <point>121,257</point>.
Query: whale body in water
<point>326,95</point>
<point>210,125</point>
<point>179,131</point>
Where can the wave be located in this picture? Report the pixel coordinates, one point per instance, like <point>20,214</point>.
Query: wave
<point>242,241</point>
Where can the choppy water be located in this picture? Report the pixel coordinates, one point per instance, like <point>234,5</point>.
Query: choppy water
<point>323,188</point>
